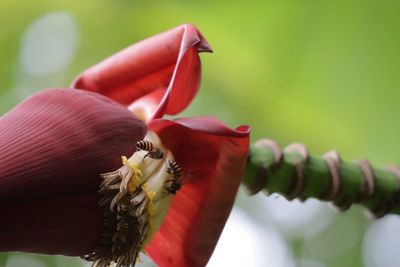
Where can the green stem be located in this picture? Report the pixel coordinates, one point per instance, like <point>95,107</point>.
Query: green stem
<point>295,174</point>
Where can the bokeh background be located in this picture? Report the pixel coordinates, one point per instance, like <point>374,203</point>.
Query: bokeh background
<point>324,73</point>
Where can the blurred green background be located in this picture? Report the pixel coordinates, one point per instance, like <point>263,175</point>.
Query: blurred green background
<point>324,73</point>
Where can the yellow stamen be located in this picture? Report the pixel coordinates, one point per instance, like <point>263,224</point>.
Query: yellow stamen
<point>134,182</point>
<point>140,182</point>
<point>150,205</point>
<point>151,195</point>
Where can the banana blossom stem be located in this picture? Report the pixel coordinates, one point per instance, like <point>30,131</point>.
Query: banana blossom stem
<point>293,173</point>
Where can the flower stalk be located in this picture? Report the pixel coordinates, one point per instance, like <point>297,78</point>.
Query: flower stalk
<point>293,173</point>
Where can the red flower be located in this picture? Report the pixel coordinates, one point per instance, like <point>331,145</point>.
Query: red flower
<point>160,76</point>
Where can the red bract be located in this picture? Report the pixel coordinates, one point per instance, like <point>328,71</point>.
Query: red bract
<point>52,148</point>
<point>158,76</point>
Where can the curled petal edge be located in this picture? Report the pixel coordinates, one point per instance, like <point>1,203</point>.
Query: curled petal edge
<point>204,124</point>
<point>168,62</point>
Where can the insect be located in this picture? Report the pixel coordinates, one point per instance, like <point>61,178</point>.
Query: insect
<point>153,152</point>
<point>175,183</point>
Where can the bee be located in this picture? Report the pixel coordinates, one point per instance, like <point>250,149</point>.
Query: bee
<point>153,152</point>
<point>175,183</point>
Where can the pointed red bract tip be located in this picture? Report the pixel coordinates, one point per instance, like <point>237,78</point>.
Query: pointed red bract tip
<point>159,75</point>
<point>54,145</point>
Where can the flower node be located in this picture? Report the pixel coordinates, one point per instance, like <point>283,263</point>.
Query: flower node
<point>134,200</point>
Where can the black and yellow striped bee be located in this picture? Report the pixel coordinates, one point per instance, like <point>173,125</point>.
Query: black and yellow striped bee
<point>175,183</point>
<point>153,152</point>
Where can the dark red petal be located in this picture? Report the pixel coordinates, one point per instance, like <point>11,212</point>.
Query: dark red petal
<point>213,158</point>
<point>53,146</point>
<point>168,62</point>
<point>68,225</point>
<point>58,141</point>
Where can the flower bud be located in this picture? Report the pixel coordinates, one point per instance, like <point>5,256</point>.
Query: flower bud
<point>53,148</point>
